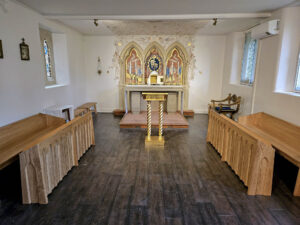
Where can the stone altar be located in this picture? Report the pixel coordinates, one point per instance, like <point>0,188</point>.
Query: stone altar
<point>134,101</point>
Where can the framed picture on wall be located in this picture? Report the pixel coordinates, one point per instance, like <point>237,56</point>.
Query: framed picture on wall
<point>1,50</point>
<point>24,50</point>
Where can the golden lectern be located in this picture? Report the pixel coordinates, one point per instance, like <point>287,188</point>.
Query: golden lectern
<point>161,98</point>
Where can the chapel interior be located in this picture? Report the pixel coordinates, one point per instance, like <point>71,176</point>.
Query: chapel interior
<point>150,112</point>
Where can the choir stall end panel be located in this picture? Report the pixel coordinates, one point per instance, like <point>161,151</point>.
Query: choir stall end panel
<point>44,165</point>
<point>249,156</point>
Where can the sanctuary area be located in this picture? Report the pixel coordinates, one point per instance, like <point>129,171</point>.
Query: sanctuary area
<point>137,112</point>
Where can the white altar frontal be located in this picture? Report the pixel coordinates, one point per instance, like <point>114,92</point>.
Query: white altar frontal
<point>135,103</point>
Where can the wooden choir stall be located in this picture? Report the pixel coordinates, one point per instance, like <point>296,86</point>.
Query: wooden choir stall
<point>47,149</point>
<point>249,146</point>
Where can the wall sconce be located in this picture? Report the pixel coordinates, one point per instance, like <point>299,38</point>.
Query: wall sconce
<point>215,21</point>
<point>99,69</point>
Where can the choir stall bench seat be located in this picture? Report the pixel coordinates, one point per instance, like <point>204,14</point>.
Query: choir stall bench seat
<point>47,148</point>
<point>283,136</point>
<point>15,136</point>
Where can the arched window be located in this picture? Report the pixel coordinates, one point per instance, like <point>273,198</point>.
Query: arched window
<point>47,59</point>
<point>48,56</point>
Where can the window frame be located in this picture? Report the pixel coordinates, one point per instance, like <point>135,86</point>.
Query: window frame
<point>297,77</point>
<point>47,35</point>
<point>247,42</point>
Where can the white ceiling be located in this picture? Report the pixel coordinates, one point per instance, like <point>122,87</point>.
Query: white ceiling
<point>174,27</point>
<point>151,7</point>
<point>133,17</point>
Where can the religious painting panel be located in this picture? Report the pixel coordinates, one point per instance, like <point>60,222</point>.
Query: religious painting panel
<point>133,68</point>
<point>174,69</point>
<point>153,62</point>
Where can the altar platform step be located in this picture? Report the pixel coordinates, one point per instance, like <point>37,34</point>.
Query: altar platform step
<point>171,120</point>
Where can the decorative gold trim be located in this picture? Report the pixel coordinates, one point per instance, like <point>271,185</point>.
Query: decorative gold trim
<point>155,96</point>
<point>155,141</point>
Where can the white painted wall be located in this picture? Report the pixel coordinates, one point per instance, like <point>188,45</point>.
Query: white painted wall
<point>104,89</point>
<point>289,47</point>
<point>275,70</point>
<point>22,91</point>
<point>232,72</point>
<point>281,105</point>
<point>207,84</point>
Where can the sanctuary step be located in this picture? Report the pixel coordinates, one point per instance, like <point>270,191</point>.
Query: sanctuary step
<point>171,120</point>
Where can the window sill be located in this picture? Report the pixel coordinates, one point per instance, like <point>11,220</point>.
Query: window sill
<point>291,93</point>
<point>55,86</point>
<point>242,85</point>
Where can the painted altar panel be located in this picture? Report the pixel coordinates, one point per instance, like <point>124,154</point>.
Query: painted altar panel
<point>133,67</point>
<point>174,69</point>
<point>153,62</point>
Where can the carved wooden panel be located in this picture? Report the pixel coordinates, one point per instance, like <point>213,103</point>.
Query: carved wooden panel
<point>45,164</point>
<point>249,156</point>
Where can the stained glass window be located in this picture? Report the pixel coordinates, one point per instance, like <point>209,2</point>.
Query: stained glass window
<point>249,60</point>
<point>47,59</point>
<point>297,86</point>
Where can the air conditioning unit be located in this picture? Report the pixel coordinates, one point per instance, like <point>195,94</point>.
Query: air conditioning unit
<point>265,29</point>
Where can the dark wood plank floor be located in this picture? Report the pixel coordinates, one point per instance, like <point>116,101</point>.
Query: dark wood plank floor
<point>121,182</point>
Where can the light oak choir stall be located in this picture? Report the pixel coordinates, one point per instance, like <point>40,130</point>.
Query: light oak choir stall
<point>250,156</point>
<point>14,136</point>
<point>284,137</point>
<point>48,148</point>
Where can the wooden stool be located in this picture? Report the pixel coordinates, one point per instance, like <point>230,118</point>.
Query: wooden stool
<point>87,106</point>
<point>80,112</point>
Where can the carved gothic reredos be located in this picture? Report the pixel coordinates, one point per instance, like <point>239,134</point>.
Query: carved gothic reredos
<point>164,55</point>
<point>143,55</point>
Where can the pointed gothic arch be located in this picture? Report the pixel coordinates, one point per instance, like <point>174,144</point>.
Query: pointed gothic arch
<point>177,59</point>
<point>122,60</point>
<point>154,53</point>
<point>128,50</point>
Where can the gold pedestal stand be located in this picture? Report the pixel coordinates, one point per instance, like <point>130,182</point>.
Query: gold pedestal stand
<point>150,97</point>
